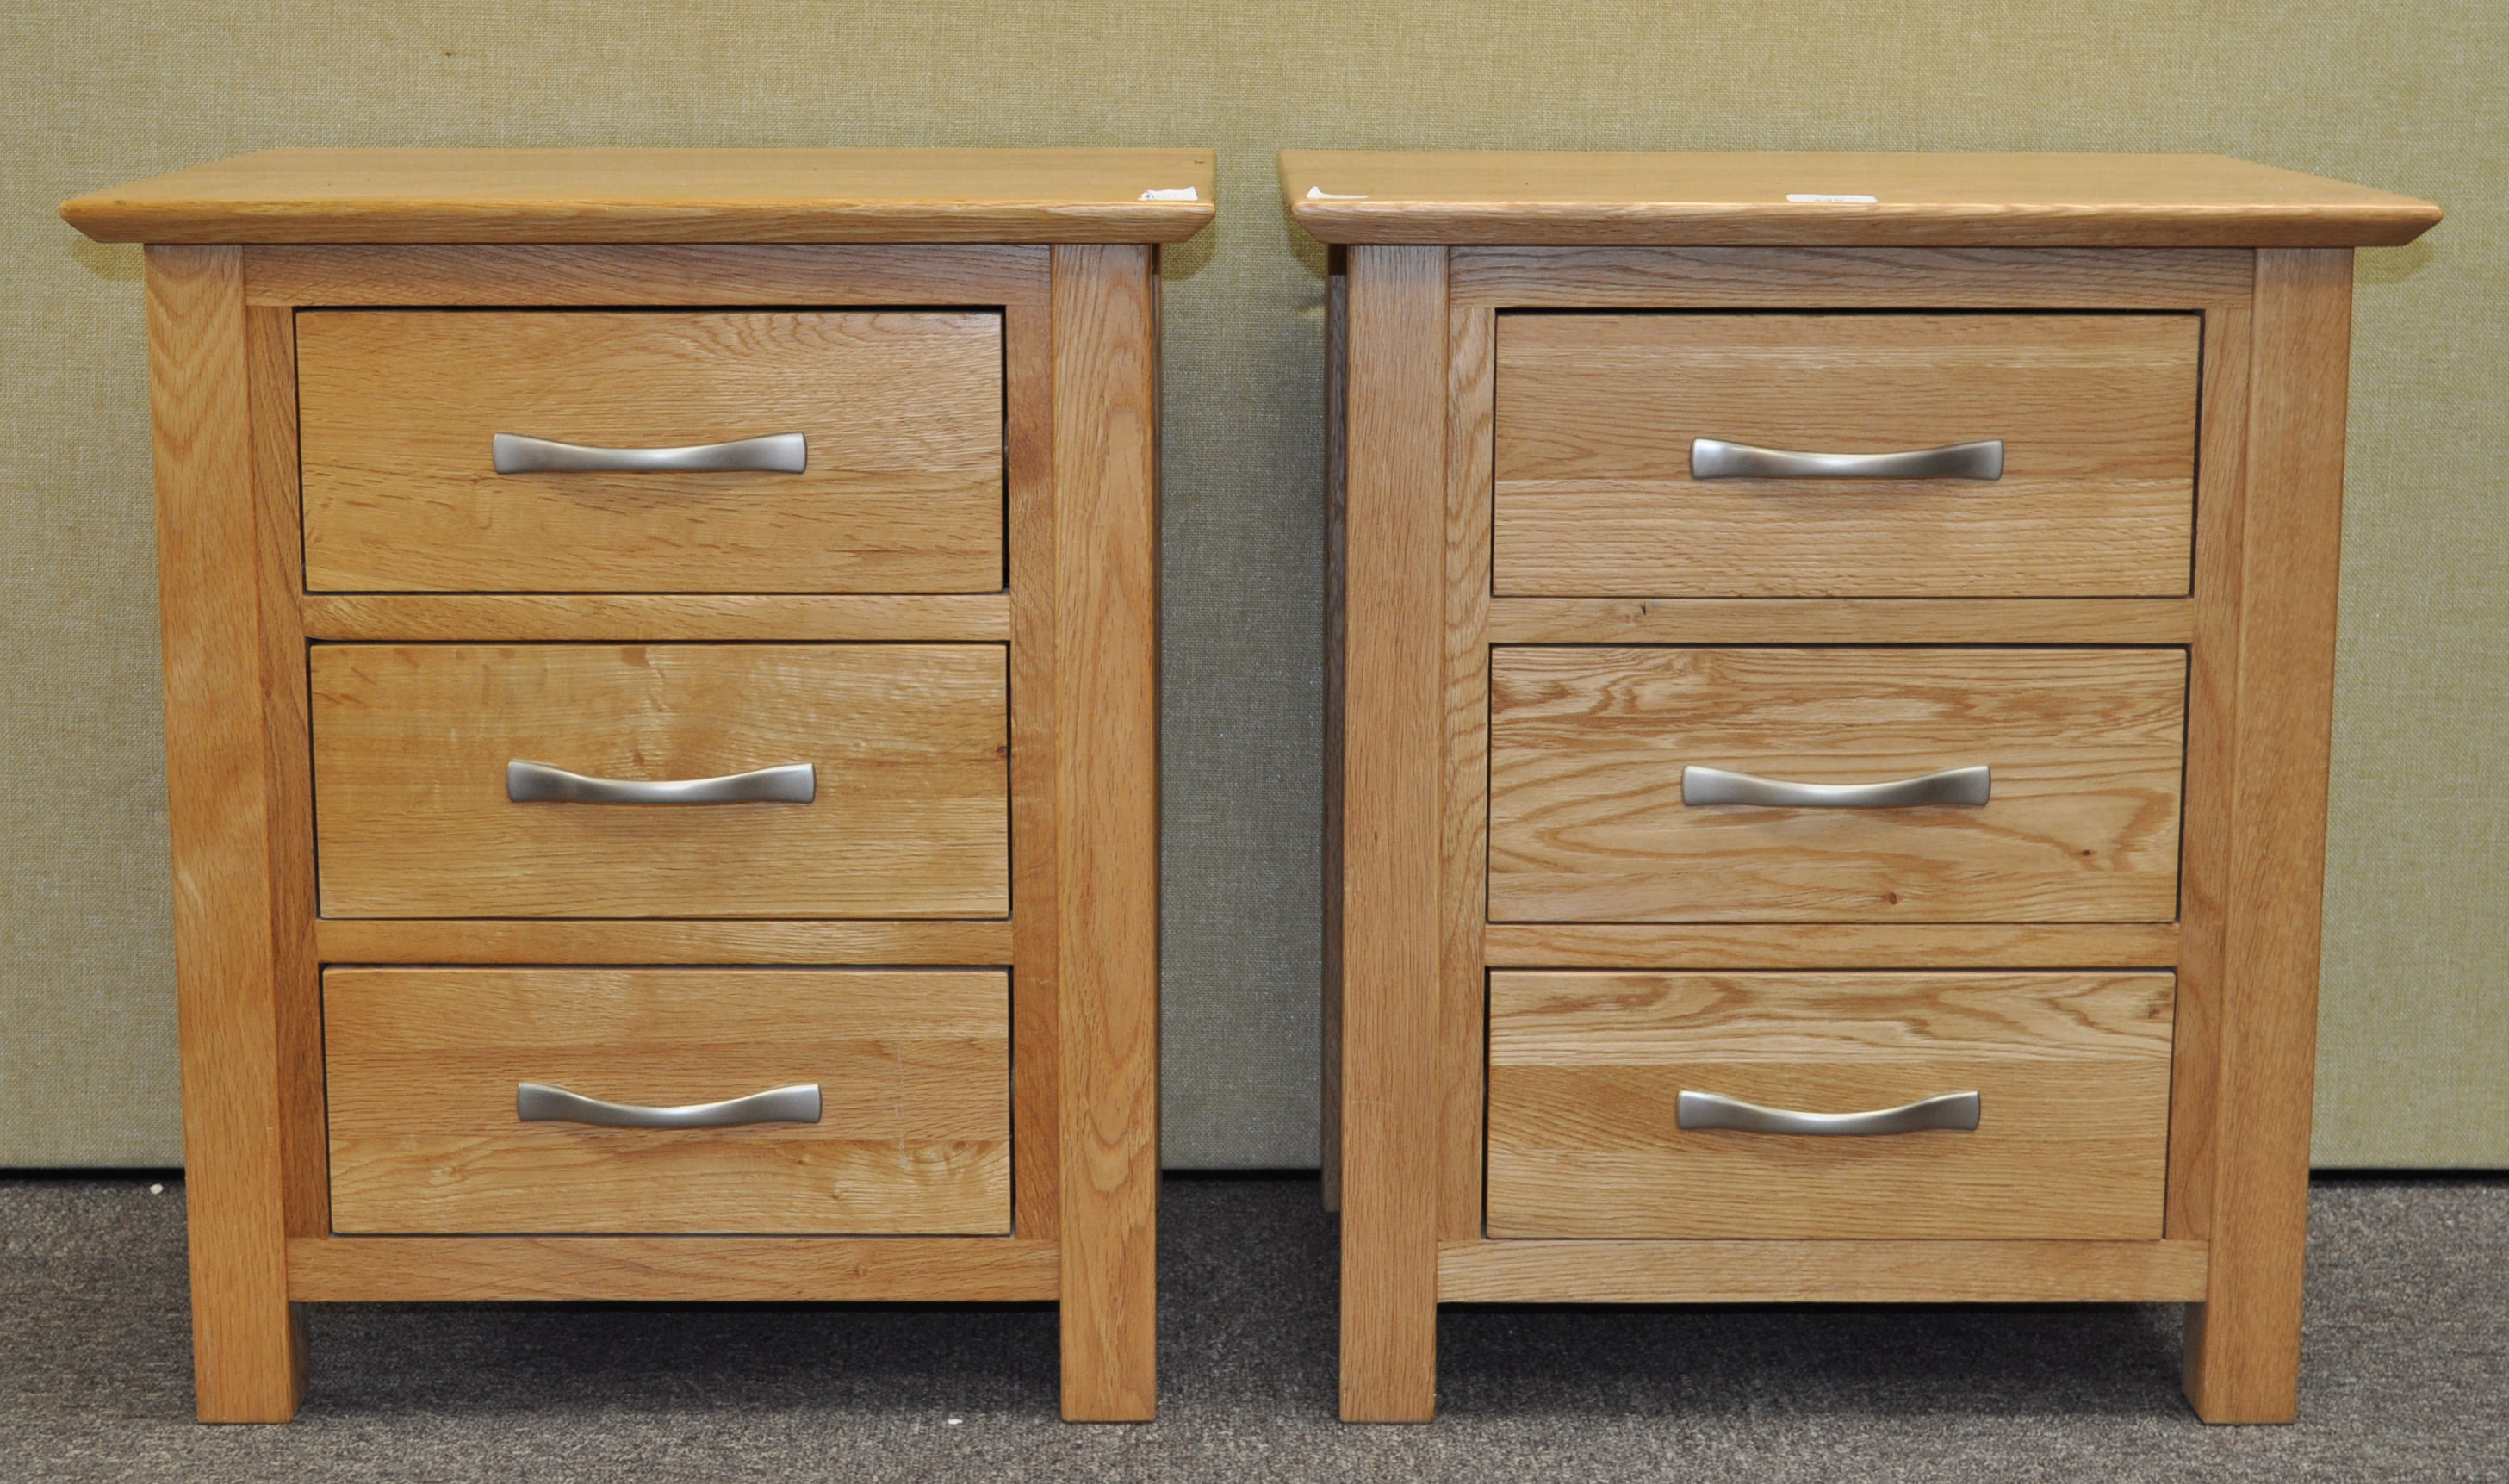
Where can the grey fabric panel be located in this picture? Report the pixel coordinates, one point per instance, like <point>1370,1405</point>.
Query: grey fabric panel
<point>2416,1068</point>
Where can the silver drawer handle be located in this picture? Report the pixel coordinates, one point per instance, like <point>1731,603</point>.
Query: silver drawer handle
<point>539,783</point>
<point>1716,458</point>
<point>1714,1110</point>
<point>537,1103</point>
<point>774,454</point>
<point>1951,786</point>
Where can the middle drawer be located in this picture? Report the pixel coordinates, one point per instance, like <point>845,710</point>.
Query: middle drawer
<point>421,813</point>
<point>1614,794</point>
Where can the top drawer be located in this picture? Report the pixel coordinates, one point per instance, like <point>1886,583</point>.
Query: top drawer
<point>1597,415</point>
<point>900,414</point>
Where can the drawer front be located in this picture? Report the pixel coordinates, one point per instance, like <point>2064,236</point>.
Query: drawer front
<point>2070,1073</point>
<point>907,744</point>
<point>910,1067</point>
<point>1588,747</point>
<point>1597,415</point>
<point>901,417</point>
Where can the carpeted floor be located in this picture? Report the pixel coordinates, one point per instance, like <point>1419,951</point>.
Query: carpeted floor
<point>2405,1374</point>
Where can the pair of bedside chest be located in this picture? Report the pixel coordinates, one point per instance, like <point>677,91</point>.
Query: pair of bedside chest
<point>1830,668</point>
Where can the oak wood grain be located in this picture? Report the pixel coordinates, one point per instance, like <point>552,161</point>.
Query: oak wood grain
<point>1850,620</point>
<point>787,1270</point>
<point>658,617</point>
<point>2243,1342</point>
<point>1106,820</point>
<point>2072,1071</point>
<point>411,742</point>
<point>901,413</point>
<point>1463,892</point>
<point>2211,702</point>
<point>1597,413</point>
<point>238,845</point>
<point>296,970</point>
<point>1850,277</point>
<point>1461,197</point>
<point>1336,639</point>
<point>1820,1271</point>
<point>511,940</point>
<point>663,196</point>
<point>912,1067</point>
<point>1836,946</point>
<point>1587,747</point>
<point>1036,929</point>
<point>1393,831</point>
<point>606,276</point>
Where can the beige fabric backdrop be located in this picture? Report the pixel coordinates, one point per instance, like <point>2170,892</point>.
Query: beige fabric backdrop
<point>2415,1061</point>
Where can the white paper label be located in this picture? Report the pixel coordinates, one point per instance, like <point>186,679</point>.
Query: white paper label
<point>1859,200</point>
<point>1180,193</point>
<point>1319,193</point>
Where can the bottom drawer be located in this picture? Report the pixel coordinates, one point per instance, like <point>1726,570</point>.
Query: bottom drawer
<point>908,1131</point>
<point>1587,1072</point>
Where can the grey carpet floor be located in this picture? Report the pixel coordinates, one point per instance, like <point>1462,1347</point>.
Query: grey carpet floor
<point>2404,1375</point>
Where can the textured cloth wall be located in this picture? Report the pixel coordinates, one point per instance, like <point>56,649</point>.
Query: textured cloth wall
<point>2415,1060</point>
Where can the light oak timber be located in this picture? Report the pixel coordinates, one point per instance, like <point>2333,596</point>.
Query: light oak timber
<point>1826,1272</point>
<point>901,413</point>
<point>912,1065</point>
<point>1035,932</point>
<point>1515,198</point>
<point>662,196</point>
<point>269,350</point>
<point>2243,1342</point>
<point>1598,412</point>
<point>481,276</point>
<point>2072,1071</point>
<point>1393,830</point>
<point>411,744</point>
<point>1835,945</point>
<point>1588,745</point>
<point>1858,621</point>
<point>693,1270</point>
<point>236,847</point>
<point>1105,800</point>
<point>1463,893</point>
<point>2212,701</point>
<point>493,940</point>
<point>1337,645</point>
<point>658,617</point>
<point>2037,278</point>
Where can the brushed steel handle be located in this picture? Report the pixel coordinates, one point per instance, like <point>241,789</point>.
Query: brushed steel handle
<point>1951,786</point>
<point>538,1102</point>
<point>1714,1110</point>
<point>774,454</point>
<point>541,783</point>
<point>1716,458</point>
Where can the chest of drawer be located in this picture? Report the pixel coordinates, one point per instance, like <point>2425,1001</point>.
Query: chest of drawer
<point>2077,478</point>
<point>1828,1105</point>
<point>521,781</point>
<point>1839,784</point>
<point>709,1100</point>
<point>888,476</point>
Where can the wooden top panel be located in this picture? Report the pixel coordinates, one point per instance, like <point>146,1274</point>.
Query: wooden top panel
<point>1531,199</point>
<point>664,196</point>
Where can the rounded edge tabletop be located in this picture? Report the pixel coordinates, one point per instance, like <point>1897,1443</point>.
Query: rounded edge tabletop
<point>397,196</point>
<point>1559,198</point>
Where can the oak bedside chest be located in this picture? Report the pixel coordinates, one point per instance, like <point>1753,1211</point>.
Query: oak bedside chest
<point>1834,656</point>
<point>662,722</point>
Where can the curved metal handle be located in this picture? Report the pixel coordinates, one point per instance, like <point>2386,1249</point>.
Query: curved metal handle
<point>774,454</point>
<point>1716,458</point>
<point>538,1102</point>
<point>1714,1110</point>
<point>1951,786</point>
<point>539,783</point>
